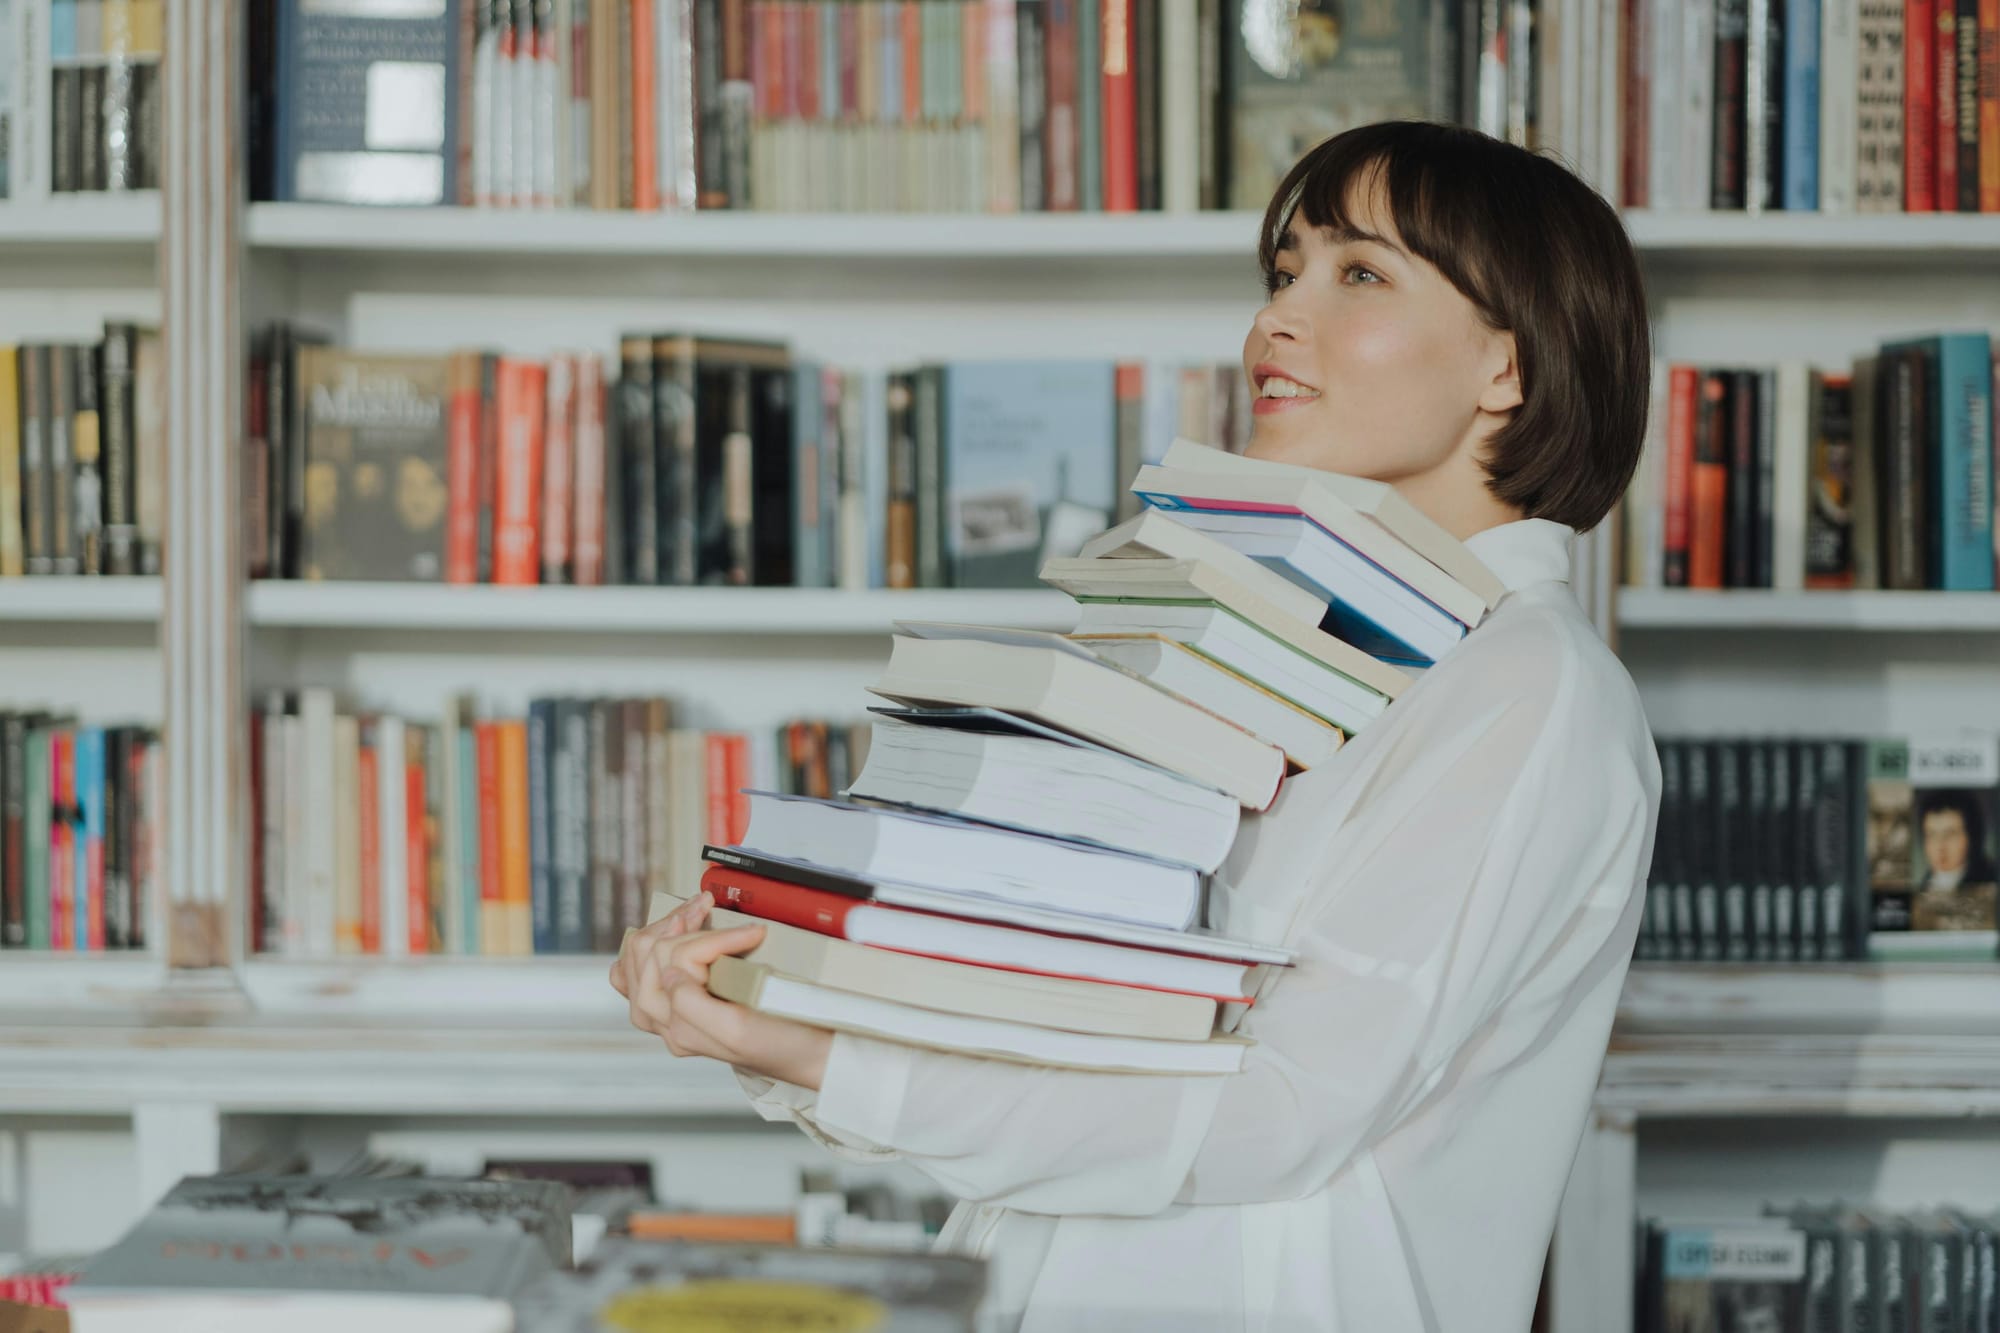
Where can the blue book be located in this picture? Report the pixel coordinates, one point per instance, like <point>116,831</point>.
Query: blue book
<point>571,814</point>
<point>874,388</point>
<point>366,107</point>
<point>1801,116</point>
<point>88,907</point>
<point>1961,392</point>
<point>1030,466</point>
<point>467,797</point>
<point>541,896</point>
<point>812,529</point>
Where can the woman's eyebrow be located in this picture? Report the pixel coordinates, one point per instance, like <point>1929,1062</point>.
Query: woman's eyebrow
<point>1349,234</point>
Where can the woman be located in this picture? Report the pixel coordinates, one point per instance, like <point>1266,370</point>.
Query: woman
<point>1463,320</point>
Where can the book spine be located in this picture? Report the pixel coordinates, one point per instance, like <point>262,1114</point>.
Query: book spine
<point>1989,106</point>
<point>492,892</point>
<point>13,551</point>
<point>1763,103</point>
<point>1900,450</point>
<point>272,799</point>
<point>1803,835</point>
<point>1803,135</point>
<point>13,821</point>
<point>1682,417</point>
<point>420,911</point>
<point>1962,409</point>
<point>1734,98</point>
<point>1764,533</point>
<point>630,717</point>
<point>638,454</point>
<point>516,543</point>
<point>1920,105</point>
<point>572,826</point>
<point>1031,63</point>
<point>770,900</point>
<point>1839,110</point>
<point>642,51</point>
<point>1944,64</point>
<point>901,534</point>
<point>472,852</point>
<point>90,780</point>
<point>349,929</point>
<point>149,448</point>
<point>61,460</point>
<point>462,488</point>
<point>118,921</point>
<point>440,922</point>
<point>1060,131</point>
<point>115,411</point>
<point>660,850</point>
<point>368,833</point>
<point>811,482</point>
<point>927,409</point>
<point>676,441</point>
<point>515,891</point>
<point>523,97</point>
<point>541,823</point>
<point>1739,539</point>
<point>1709,492</point>
<point>392,834</point>
<point>38,815</point>
<point>558,470</point>
<point>486,469</point>
<point>36,496</point>
<point>587,488</point>
<point>87,452</point>
<point>1761,944</point>
<point>1119,47</point>
<point>607,752</point>
<point>1966,125</point>
<point>738,508</point>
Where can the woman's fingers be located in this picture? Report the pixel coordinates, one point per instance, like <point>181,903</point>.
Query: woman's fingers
<point>693,954</point>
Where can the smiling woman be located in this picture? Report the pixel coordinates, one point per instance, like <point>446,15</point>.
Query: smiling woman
<point>1462,320</point>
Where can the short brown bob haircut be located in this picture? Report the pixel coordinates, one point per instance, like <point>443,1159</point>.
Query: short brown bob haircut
<point>1542,257</point>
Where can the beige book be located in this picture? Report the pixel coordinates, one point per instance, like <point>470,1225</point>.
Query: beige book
<point>757,987</point>
<point>1064,1003</point>
<point>1155,532</point>
<point>12,564</point>
<point>347,834</point>
<point>687,817</point>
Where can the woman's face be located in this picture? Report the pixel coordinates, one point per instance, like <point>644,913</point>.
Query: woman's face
<point>1366,360</point>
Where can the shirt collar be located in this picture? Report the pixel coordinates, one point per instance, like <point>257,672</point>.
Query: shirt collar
<point>1525,552</point>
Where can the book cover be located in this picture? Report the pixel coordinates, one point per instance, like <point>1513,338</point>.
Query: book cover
<point>1709,489</point>
<point>1830,489</point>
<point>367,108</point>
<point>1964,145</point>
<point>13,551</point>
<point>522,408</point>
<point>374,450</point>
<point>1301,74</point>
<point>1733,100</point>
<point>559,468</point>
<point>1960,388</point>
<point>462,458</point>
<point>1030,465</point>
<point>1802,135</point>
<point>1933,844</point>
<point>541,824</point>
<point>117,406</point>
<point>1727,1278</point>
<point>571,814</point>
<point>1920,116</point>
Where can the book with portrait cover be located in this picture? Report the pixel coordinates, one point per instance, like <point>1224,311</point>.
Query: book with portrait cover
<point>375,494</point>
<point>1931,853</point>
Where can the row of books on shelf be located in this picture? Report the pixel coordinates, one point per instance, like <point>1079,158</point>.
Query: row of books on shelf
<point>374,835</point>
<point>1807,1267</point>
<point>82,455</point>
<point>80,814</point>
<point>1115,768</point>
<point>1780,850</point>
<point>516,1248</point>
<point>807,105</point>
<point>1870,106</point>
<point>1793,477</point>
<point>702,461</point>
<point>80,96</point>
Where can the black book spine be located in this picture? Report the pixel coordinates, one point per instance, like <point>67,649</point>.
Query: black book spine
<point>94,174</point>
<point>928,410</point>
<point>146,125</point>
<point>1146,100</point>
<point>1805,861</point>
<point>1697,914</point>
<point>630,717</point>
<point>1732,868</point>
<point>1780,864</point>
<point>711,152</point>
<point>773,478</point>
<point>1969,92</point>
<point>278,356</point>
<point>1670,851</point>
<point>37,492</point>
<point>121,531</point>
<point>541,897</point>
<point>87,449</point>
<point>1766,103</point>
<point>62,460</point>
<point>675,368</point>
<point>1756,848</point>
<point>13,831</point>
<point>1843,775</point>
<point>298,448</point>
<point>635,456</point>
<point>1731,104</point>
<point>790,872</point>
<point>1900,447</point>
<point>1030,45</point>
<point>664,420</point>
<point>1764,575</point>
<point>1928,433</point>
<point>1740,538</point>
<point>728,491</point>
<point>117,890</point>
<point>66,129</point>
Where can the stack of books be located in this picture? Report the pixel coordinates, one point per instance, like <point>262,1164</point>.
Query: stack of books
<point>1018,869</point>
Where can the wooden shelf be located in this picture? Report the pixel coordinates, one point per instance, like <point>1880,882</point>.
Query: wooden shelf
<point>80,599</point>
<point>1749,609</point>
<point>79,221</point>
<point>642,611</point>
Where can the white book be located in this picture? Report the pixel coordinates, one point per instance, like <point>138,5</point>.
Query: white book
<point>271,821</point>
<point>1156,532</point>
<point>295,887</point>
<point>316,722</point>
<point>551,112</point>
<point>769,992</point>
<point>345,813</point>
<point>392,833</point>
<point>1645,501</point>
<point>30,162</point>
<point>523,100</point>
<point>1180,106</point>
<point>1665,99</point>
<point>1839,107</point>
<point>1758,57</point>
<point>1307,741</point>
<point>1002,131</point>
<point>1792,466</point>
<point>487,142</point>
<point>687,753</point>
<point>1698,107</point>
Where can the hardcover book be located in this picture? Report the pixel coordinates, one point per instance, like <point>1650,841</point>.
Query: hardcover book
<point>375,465</point>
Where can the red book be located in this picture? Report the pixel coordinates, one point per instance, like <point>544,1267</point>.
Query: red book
<point>587,494</point>
<point>1945,59</point>
<point>368,780</point>
<point>736,747</point>
<point>770,21</point>
<point>850,61</point>
<point>461,470</point>
<point>517,517</point>
<point>1709,491</point>
<point>811,104</point>
<point>559,469</point>
<point>972,64</point>
<point>62,834</point>
<point>1989,106</point>
<point>645,110</point>
<point>1920,117</point>
<point>1059,124</point>
<point>1121,108</point>
<point>716,808</point>
<point>416,848</point>
<point>1680,472</point>
<point>492,909</point>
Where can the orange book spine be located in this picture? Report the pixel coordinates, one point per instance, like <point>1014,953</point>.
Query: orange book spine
<point>1680,473</point>
<point>368,781</point>
<point>645,111</point>
<point>587,564</point>
<point>558,469</point>
<point>716,770</point>
<point>716,1228</point>
<point>737,747</point>
<point>461,470</point>
<point>1121,109</point>
<point>492,910</point>
<point>1709,499</point>
<point>911,13</point>
<point>1989,106</point>
<point>514,884</point>
<point>416,846</point>
<point>972,62</point>
<point>516,545</point>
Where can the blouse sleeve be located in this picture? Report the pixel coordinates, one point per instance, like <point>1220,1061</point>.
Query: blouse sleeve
<point>1470,857</point>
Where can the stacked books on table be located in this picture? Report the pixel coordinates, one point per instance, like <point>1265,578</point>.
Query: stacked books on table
<point>1018,871</point>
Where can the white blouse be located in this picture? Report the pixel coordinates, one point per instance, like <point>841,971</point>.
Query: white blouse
<point>1462,884</point>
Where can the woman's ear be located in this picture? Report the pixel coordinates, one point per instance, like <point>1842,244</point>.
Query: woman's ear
<point>1503,391</point>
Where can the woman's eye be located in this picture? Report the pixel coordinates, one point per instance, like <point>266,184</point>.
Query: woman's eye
<point>1360,274</point>
<point>1278,279</point>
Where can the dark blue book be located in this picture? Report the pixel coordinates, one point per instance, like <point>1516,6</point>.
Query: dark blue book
<point>541,885</point>
<point>366,103</point>
<point>1800,174</point>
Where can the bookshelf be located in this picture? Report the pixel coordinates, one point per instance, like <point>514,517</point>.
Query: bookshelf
<point>182,1069</point>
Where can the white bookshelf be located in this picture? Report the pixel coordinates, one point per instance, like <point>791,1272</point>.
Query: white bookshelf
<point>1808,239</point>
<point>73,221</point>
<point>1697,610</point>
<point>80,600</point>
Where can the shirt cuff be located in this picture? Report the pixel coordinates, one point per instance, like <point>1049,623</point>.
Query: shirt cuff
<point>774,1100</point>
<point>861,1094</point>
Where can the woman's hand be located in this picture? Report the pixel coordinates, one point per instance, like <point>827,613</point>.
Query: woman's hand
<point>663,974</point>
